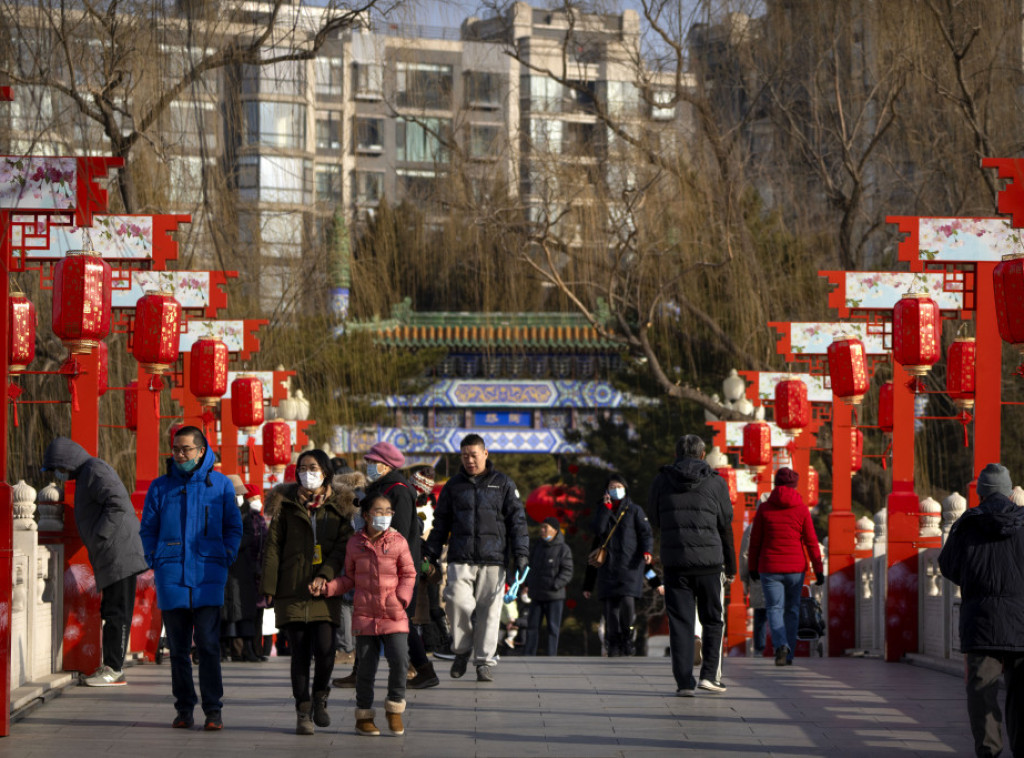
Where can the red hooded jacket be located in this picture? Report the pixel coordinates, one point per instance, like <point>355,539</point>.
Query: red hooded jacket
<point>782,530</point>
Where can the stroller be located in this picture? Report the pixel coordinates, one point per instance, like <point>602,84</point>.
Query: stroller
<point>811,626</point>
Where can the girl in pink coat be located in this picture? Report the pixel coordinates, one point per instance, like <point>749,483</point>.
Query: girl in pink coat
<point>378,565</point>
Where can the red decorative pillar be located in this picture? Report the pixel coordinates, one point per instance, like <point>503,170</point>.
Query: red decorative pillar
<point>842,619</point>
<point>6,499</point>
<point>988,394</point>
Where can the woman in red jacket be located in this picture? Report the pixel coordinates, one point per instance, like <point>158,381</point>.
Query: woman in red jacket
<point>781,538</point>
<point>378,565</point>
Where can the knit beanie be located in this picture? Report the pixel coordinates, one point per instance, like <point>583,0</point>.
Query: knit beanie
<point>386,453</point>
<point>423,480</point>
<point>786,477</point>
<point>553,523</point>
<point>994,478</point>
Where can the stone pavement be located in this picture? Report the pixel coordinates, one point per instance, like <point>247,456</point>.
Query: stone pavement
<point>588,707</point>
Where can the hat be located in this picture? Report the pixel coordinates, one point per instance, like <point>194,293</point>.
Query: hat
<point>239,485</point>
<point>994,478</point>
<point>251,490</point>
<point>553,523</point>
<point>386,453</point>
<point>786,477</point>
<point>423,480</point>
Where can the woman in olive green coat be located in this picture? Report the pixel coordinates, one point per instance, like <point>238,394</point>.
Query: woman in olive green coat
<point>306,544</point>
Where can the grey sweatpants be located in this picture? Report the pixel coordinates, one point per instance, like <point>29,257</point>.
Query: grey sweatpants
<point>475,588</point>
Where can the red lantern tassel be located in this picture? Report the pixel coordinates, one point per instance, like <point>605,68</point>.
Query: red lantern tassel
<point>1020,370</point>
<point>14,392</point>
<point>208,419</point>
<point>71,368</point>
<point>965,419</point>
<point>156,386</point>
<point>251,444</point>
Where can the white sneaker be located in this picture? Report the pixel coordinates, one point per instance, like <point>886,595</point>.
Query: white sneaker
<point>711,686</point>
<point>105,677</point>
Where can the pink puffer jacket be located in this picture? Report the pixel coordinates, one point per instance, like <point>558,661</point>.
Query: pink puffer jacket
<point>383,575</point>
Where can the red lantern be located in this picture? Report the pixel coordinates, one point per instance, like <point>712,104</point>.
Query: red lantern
<point>885,407</point>
<point>1008,286</point>
<point>209,371</point>
<point>848,369</point>
<point>856,450</point>
<point>916,329</point>
<point>102,379</point>
<point>960,372</point>
<point>81,300</point>
<point>757,445</point>
<point>277,445</point>
<point>157,333</point>
<point>812,486</point>
<point>792,409</point>
<point>131,406</point>
<point>247,403</point>
<point>729,474</point>
<point>21,345</point>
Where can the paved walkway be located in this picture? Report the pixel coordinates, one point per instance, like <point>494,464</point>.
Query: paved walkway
<point>588,707</point>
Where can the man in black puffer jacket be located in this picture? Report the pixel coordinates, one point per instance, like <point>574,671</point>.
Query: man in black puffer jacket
<point>689,503</point>
<point>480,511</point>
<point>984,555</point>
<point>551,559</point>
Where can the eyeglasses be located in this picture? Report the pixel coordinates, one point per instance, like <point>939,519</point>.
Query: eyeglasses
<point>182,450</point>
<point>308,470</point>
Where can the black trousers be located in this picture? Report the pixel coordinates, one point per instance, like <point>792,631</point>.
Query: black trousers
<point>117,604</point>
<point>684,595</point>
<point>619,614</point>
<point>312,642</point>
<point>983,670</point>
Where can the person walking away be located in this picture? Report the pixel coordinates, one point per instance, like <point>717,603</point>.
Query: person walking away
<point>755,594</point>
<point>437,637</point>
<point>551,560</point>
<point>984,556</point>
<point>306,542</point>
<point>481,519</point>
<point>241,616</point>
<point>689,503</point>
<point>191,529</point>
<point>379,567</point>
<point>109,528</point>
<point>781,538</point>
<point>624,526</point>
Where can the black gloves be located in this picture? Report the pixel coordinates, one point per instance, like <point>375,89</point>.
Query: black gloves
<point>819,579</point>
<point>754,575</point>
<point>521,563</point>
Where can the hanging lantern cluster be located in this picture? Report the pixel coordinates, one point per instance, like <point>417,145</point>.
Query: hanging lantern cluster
<point>916,332</point>
<point>247,403</point>
<point>21,344</point>
<point>157,333</point>
<point>1008,288</point>
<point>729,474</point>
<point>812,486</point>
<point>131,406</point>
<point>848,369</point>
<point>960,363</point>
<point>856,451</point>
<point>792,408</point>
<point>757,445</point>
<point>277,445</point>
<point>81,300</point>
<point>208,379</point>
<point>885,407</point>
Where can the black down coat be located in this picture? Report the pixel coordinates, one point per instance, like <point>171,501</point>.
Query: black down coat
<point>984,554</point>
<point>622,574</point>
<point>550,569</point>
<point>483,517</point>
<point>690,504</point>
<point>395,487</point>
<point>241,593</point>
<point>104,513</point>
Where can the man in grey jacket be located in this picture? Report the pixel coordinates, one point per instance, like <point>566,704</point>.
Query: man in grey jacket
<point>109,528</point>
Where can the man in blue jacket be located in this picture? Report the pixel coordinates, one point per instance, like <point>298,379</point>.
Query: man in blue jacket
<point>191,529</point>
<point>984,555</point>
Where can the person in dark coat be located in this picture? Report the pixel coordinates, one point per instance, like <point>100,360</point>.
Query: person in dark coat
<point>550,574</point>
<point>984,555</point>
<point>190,530</point>
<point>241,616</point>
<point>620,580</point>
<point>690,504</point>
<point>480,517</point>
<point>109,529</point>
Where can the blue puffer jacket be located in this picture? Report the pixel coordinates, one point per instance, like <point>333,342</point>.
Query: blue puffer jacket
<point>191,529</point>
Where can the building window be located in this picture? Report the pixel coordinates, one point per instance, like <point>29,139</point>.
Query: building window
<point>546,95</point>
<point>274,179</point>
<point>662,108</point>
<point>328,77</point>
<point>328,130</point>
<point>281,235</point>
<point>546,135</point>
<point>623,98</point>
<point>369,135</point>
<point>368,81</point>
<point>275,124</point>
<point>580,139</point>
<point>423,141</point>
<point>417,185</point>
<point>193,125</point>
<point>424,85</point>
<point>328,185</point>
<point>484,141</point>
<point>368,187</point>
<point>483,90</point>
<point>282,78</point>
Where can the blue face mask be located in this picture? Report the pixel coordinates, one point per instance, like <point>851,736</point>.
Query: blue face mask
<point>188,466</point>
<point>60,476</point>
<point>381,523</point>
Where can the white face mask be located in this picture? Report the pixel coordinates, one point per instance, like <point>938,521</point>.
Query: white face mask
<point>240,499</point>
<point>372,472</point>
<point>256,504</point>
<point>381,523</point>
<point>311,480</point>
<point>617,493</point>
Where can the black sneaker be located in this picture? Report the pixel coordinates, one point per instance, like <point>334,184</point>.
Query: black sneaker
<point>182,721</point>
<point>484,674</point>
<point>213,722</point>
<point>459,666</point>
<point>781,655</point>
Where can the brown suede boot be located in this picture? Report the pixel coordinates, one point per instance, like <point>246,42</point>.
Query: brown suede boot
<point>320,716</point>
<point>304,719</point>
<point>394,712</point>
<point>346,682</point>
<point>364,723</point>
